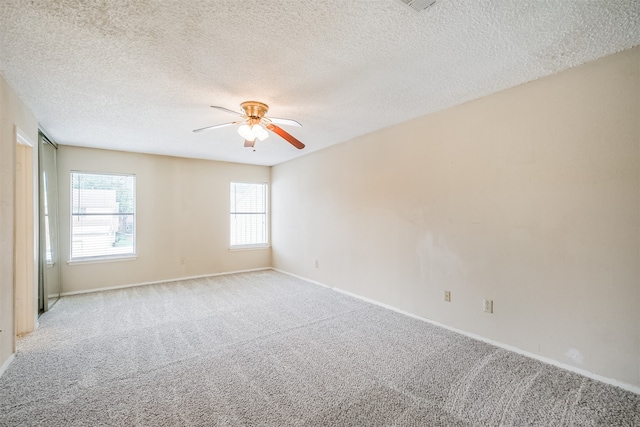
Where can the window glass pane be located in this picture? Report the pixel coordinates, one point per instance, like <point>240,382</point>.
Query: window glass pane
<point>103,215</point>
<point>248,219</point>
<point>248,198</point>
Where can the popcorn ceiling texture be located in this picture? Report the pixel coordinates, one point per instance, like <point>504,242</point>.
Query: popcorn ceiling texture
<point>140,75</point>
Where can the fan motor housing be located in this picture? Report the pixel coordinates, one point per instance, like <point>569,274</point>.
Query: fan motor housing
<point>254,109</point>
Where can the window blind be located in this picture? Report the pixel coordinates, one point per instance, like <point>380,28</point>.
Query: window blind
<point>248,216</point>
<point>102,215</point>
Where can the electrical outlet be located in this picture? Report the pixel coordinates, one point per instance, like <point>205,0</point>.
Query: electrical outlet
<point>316,264</point>
<point>447,296</point>
<point>487,305</point>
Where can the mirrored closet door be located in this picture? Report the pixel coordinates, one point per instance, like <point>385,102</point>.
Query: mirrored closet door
<point>49,277</point>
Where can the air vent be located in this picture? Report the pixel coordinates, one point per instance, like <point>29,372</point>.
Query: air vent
<point>418,5</point>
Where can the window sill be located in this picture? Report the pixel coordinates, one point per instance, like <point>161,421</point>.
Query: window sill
<point>249,248</point>
<point>100,260</point>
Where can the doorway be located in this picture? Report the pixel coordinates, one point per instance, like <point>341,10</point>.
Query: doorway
<point>25,235</point>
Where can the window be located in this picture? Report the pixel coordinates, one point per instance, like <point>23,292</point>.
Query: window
<point>248,215</point>
<point>102,215</point>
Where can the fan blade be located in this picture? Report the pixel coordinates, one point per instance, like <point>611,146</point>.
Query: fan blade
<point>227,110</point>
<point>216,126</point>
<point>286,136</point>
<point>289,122</point>
<point>248,143</point>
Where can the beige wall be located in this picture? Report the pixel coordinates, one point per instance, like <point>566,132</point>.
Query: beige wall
<point>182,212</point>
<point>529,197</point>
<point>13,113</point>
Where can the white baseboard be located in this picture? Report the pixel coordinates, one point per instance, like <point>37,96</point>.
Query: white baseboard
<point>111,288</point>
<point>629,387</point>
<point>6,363</point>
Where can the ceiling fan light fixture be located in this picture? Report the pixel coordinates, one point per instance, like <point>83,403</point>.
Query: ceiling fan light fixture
<point>259,132</point>
<point>246,132</point>
<point>254,124</point>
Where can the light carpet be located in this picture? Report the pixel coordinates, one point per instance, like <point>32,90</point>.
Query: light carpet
<point>267,349</point>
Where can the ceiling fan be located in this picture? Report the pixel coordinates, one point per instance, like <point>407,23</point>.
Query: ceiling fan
<point>253,123</point>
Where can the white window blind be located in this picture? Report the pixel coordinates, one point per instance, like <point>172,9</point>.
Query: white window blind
<point>248,222</point>
<point>102,215</point>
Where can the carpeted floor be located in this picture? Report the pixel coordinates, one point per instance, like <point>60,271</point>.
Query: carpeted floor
<point>267,349</point>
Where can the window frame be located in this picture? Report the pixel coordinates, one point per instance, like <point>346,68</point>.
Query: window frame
<point>267,218</point>
<point>103,258</point>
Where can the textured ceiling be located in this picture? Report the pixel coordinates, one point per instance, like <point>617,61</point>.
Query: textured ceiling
<point>139,75</point>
